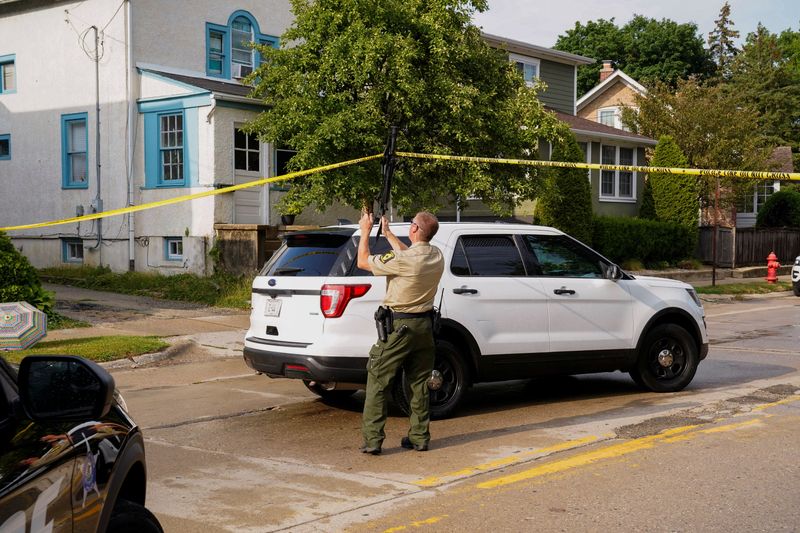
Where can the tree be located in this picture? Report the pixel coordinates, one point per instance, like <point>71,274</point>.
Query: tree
<point>566,203</point>
<point>781,210</point>
<point>769,82</point>
<point>647,49</point>
<point>348,69</point>
<point>720,41</point>
<point>713,127</point>
<point>675,198</point>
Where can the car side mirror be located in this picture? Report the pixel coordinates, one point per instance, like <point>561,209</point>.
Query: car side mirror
<point>613,272</point>
<point>64,387</point>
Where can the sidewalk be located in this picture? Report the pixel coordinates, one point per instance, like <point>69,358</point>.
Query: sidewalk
<point>217,331</point>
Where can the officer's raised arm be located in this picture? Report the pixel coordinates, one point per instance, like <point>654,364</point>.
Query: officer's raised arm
<point>394,242</point>
<point>363,244</point>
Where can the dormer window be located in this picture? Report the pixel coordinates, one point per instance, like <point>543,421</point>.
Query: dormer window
<point>229,52</point>
<point>528,68</point>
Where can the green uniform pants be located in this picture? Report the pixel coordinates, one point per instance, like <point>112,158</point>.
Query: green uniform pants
<point>414,349</point>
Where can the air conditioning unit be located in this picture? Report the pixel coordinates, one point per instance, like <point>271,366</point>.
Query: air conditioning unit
<point>241,71</point>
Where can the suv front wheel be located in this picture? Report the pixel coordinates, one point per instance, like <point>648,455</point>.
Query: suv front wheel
<point>667,361</point>
<point>455,381</point>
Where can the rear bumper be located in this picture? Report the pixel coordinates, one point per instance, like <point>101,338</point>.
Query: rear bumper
<point>305,366</point>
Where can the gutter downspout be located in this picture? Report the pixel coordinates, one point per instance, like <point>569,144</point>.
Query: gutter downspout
<point>130,133</point>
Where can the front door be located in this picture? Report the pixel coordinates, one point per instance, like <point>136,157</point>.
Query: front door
<point>587,312</point>
<point>249,204</point>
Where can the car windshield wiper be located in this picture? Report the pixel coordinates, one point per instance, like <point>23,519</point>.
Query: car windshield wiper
<point>287,270</point>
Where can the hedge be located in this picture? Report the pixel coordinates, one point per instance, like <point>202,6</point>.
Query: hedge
<point>19,281</point>
<point>650,241</point>
<point>781,210</point>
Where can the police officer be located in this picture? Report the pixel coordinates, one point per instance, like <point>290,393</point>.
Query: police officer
<point>412,276</point>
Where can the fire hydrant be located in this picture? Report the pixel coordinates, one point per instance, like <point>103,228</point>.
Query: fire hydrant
<point>772,268</point>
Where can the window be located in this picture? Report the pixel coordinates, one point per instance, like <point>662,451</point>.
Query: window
<point>528,67</point>
<point>753,199</point>
<point>617,184</point>
<point>561,256</point>
<point>241,37</point>
<point>8,74</point>
<point>229,52</point>
<point>246,151</point>
<point>173,248</point>
<point>487,255</point>
<point>608,116</point>
<point>72,250</point>
<point>171,148</point>
<point>216,53</point>
<point>5,147</point>
<point>74,151</point>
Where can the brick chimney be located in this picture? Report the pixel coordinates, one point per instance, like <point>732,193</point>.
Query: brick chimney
<point>607,70</point>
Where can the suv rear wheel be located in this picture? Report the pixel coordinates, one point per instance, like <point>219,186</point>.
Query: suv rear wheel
<point>667,361</point>
<point>455,381</point>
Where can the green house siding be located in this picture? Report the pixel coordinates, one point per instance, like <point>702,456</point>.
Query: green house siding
<point>560,80</point>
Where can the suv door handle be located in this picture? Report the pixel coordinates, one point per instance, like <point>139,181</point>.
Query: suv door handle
<point>563,290</point>
<point>464,290</point>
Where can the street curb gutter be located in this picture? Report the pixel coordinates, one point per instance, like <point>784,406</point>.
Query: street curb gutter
<point>174,350</point>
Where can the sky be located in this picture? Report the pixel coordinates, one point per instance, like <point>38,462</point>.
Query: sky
<point>540,23</point>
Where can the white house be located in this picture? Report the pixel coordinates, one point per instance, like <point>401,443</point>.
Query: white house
<point>110,103</point>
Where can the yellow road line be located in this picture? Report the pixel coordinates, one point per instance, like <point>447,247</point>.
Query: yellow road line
<point>505,461</point>
<point>418,523</point>
<point>779,402</point>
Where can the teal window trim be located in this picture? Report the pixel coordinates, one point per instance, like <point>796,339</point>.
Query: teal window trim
<point>5,154</point>
<point>8,59</point>
<point>223,54</point>
<point>153,147</point>
<point>226,31</point>
<point>69,250</point>
<point>67,151</point>
<point>173,248</point>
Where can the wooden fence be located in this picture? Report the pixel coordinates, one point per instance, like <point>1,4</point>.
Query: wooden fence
<point>749,246</point>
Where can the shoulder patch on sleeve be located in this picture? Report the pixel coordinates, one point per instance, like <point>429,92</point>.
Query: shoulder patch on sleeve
<point>385,258</point>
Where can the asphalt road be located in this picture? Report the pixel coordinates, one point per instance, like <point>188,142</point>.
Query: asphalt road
<point>232,451</point>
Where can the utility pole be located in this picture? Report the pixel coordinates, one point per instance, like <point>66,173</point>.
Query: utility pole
<point>98,200</point>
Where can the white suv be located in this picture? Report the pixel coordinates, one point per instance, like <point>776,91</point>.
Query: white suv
<point>796,276</point>
<point>517,301</point>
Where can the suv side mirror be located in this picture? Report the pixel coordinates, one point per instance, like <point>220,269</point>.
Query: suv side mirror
<point>64,387</point>
<point>613,272</point>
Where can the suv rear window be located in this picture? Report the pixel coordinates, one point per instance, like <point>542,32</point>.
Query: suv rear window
<point>306,254</point>
<point>321,254</point>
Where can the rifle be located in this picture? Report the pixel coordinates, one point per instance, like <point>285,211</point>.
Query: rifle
<point>387,170</point>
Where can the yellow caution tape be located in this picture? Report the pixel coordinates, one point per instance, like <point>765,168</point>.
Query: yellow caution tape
<point>188,197</point>
<point>746,174</point>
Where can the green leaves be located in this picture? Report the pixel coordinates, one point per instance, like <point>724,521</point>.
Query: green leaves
<point>349,69</point>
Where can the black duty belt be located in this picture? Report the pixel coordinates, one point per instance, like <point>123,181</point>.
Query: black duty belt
<point>424,314</point>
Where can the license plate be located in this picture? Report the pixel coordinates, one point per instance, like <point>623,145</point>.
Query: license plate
<point>273,307</point>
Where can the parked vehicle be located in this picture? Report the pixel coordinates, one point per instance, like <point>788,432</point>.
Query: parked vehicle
<point>517,301</point>
<point>796,276</point>
<point>71,459</point>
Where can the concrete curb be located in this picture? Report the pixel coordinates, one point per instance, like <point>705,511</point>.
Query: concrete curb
<point>174,350</point>
<point>718,298</point>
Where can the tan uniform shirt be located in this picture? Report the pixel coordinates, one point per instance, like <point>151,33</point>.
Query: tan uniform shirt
<point>412,276</point>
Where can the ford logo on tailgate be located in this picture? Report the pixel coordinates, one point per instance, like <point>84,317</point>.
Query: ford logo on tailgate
<point>272,282</point>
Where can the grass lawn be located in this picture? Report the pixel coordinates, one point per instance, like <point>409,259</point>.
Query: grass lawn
<point>754,287</point>
<point>219,290</point>
<point>95,348</point>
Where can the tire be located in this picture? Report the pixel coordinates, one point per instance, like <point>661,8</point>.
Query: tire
<point>130,517</point>
<point>667,359</point>
<point>796,288</point>
<point>331,395</point>
<point>455,376</point>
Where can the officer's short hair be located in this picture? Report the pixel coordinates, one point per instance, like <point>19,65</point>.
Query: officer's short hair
<point>428,225</point>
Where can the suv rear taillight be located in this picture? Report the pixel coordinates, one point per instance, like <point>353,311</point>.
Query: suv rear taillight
<point>334,298</point>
